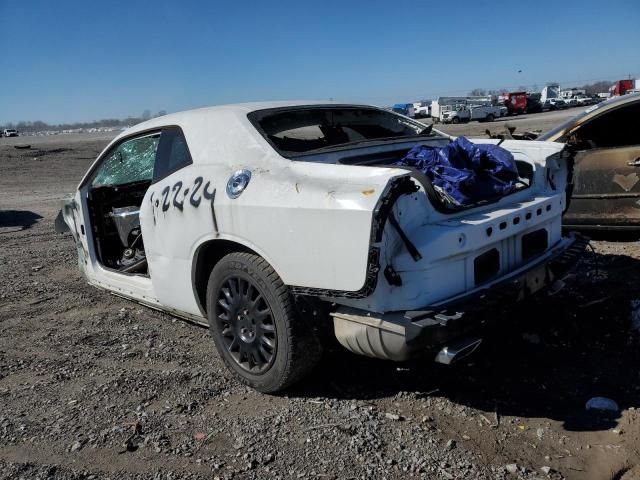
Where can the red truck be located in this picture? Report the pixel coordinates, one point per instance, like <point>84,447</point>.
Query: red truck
<point>516,102</point>
<point>621,87</point>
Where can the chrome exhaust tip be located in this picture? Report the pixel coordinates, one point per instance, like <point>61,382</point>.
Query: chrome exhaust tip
<point>456,351</point>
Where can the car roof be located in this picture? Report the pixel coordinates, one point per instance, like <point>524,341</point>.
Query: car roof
<point>242,108</point>
<point>225,126</point>
<point>235,109</point>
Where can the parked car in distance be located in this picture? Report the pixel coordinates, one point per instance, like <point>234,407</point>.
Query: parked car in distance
<point>454,114</point>
<point>583,100</point>
<point>533,105</point>
<point>275,222</point>
<point>10,132</point>
<point>404,109</point>
<point>485,113</point>
<point>606,182</point>
<point>554,104</point>
<point>422,109</point>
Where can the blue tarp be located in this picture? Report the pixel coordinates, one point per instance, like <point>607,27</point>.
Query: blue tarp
<point>465,173</point>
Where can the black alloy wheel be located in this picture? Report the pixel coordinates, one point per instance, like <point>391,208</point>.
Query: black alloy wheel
<point>246,324</point>
<point>258,332</point>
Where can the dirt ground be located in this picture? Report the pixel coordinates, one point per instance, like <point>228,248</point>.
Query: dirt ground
<point>96,387</point>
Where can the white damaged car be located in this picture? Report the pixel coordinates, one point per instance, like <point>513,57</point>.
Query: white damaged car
<point>273,222</point>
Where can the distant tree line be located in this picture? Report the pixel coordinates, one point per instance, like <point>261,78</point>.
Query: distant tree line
<point>597,87</point>
<point>37,125</point>
<point>481,92</point>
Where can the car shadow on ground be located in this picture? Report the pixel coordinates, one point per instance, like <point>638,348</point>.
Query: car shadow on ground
<point>544,358</point>
<point>16,220</point>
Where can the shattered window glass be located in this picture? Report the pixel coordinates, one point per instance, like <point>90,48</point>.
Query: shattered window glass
<point>132,161</point>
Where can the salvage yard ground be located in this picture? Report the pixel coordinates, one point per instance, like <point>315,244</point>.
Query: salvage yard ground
<point>93,386</point>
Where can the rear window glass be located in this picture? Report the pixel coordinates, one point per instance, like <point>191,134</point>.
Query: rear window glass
<point>309,129</point>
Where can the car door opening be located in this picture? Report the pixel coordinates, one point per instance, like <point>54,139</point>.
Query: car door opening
<point>115,195</point>
<point>118,188</point>
<point>116,226</point>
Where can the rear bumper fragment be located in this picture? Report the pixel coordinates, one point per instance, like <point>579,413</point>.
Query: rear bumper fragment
<point>399,335</point>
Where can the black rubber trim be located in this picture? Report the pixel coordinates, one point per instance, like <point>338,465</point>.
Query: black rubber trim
<point>373,267</point>
<point>393,278</point>
<point>411,248</point>
<point>398,187</point>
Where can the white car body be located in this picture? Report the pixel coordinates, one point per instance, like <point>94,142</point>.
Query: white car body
<point>322,226</point>
<point>10,132</point>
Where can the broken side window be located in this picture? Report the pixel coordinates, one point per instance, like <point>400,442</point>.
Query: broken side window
<point>131,161</point>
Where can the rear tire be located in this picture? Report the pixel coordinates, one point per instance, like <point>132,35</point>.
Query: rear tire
<point>254,324</point>
<point>489,118</point>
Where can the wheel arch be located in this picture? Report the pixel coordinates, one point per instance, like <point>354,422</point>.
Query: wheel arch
<point>205,258</point>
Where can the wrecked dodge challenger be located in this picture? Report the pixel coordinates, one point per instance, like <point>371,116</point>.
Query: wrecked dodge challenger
<point>274,223</point>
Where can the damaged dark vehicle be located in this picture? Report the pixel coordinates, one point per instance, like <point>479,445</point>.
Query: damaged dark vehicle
<point>605,141</point>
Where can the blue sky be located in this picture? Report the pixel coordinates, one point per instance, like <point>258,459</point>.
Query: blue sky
<point>83,60</point>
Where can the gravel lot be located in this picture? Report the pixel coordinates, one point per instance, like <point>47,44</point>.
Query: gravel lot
<point>96,387</point>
